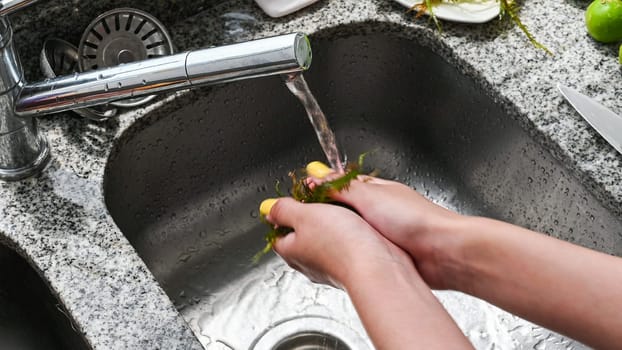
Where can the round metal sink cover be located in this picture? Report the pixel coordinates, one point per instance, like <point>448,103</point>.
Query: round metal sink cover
<point>310,333</point>
<point>312,341</point>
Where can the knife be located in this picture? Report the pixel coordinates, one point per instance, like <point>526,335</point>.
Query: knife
<point>607,123</point>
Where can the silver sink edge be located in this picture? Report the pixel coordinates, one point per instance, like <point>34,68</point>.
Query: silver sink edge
<point>59,222</point>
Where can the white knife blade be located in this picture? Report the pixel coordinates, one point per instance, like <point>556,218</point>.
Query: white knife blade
<point>607,123</point>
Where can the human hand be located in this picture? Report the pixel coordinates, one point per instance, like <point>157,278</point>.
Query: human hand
<point>331,244</point>
<point>423,229</point>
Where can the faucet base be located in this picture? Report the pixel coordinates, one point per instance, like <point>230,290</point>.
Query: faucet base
<point>39,158</point>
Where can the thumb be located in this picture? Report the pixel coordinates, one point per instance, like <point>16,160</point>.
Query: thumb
<point>284,212</point>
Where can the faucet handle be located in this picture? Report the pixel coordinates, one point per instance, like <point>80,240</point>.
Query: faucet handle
<point>9,6</point>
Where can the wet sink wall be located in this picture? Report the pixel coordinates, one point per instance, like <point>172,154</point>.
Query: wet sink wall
<point>184,182</point>
<point>30,316</point>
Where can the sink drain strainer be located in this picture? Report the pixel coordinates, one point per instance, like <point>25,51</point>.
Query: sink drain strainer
<point>312,341</point>
<point>120,36</point>
<point>310,333</point>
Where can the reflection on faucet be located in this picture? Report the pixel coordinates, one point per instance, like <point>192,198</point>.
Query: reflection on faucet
<point>23,152</point>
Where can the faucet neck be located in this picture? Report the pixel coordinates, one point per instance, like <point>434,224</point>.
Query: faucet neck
<point>24,152</point>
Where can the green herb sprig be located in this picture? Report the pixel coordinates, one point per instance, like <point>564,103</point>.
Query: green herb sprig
<point>508,9</point>
<point>302,192</point>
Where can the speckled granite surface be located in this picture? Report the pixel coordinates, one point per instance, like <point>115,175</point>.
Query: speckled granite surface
<point>58,220</point>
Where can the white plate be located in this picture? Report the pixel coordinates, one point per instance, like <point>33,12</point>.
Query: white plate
<point>473,11</point>
<point>279,8</point>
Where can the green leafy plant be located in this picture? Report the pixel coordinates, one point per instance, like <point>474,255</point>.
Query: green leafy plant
<point>508,9</point>
<point>302,192</point>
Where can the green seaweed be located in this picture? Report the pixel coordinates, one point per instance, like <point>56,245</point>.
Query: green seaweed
<point>302,192</point>
<point>508,9</point>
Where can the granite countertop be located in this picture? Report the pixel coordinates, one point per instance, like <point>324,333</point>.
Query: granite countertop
<point>59,221</point>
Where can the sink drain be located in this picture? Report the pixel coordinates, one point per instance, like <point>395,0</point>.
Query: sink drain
<point>310,333</point>
<point>312,341</point>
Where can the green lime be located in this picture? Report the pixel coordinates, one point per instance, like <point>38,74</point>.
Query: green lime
<point>603,20</point>
<point>620,55</point>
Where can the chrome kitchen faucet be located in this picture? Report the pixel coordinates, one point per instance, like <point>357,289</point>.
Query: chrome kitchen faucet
<point>24,151</point>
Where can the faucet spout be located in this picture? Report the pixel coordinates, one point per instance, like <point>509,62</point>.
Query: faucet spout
<point>282,54</point>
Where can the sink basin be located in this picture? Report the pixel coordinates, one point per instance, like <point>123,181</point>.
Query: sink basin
<point>185,181</point>
<point>30,315</point>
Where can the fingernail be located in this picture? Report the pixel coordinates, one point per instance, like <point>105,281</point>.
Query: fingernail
<point>318,169</point>
<point>266,206</point>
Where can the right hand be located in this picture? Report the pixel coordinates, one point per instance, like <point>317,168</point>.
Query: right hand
<point>423,229</point>
<point>333,245</point>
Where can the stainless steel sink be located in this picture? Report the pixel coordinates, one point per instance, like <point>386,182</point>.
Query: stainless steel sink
<point>184,183</point>
<point>30,316</point>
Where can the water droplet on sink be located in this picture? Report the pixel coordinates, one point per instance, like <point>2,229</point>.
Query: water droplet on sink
<point>530,180</point>
<point>254,214</point>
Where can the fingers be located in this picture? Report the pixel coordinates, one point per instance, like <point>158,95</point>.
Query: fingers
<point>318,170</point>
<point>278,212</point>
<point>266,206</point>
<point>285,246</point>
<point>319,173</point>
<point>285,211</point>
